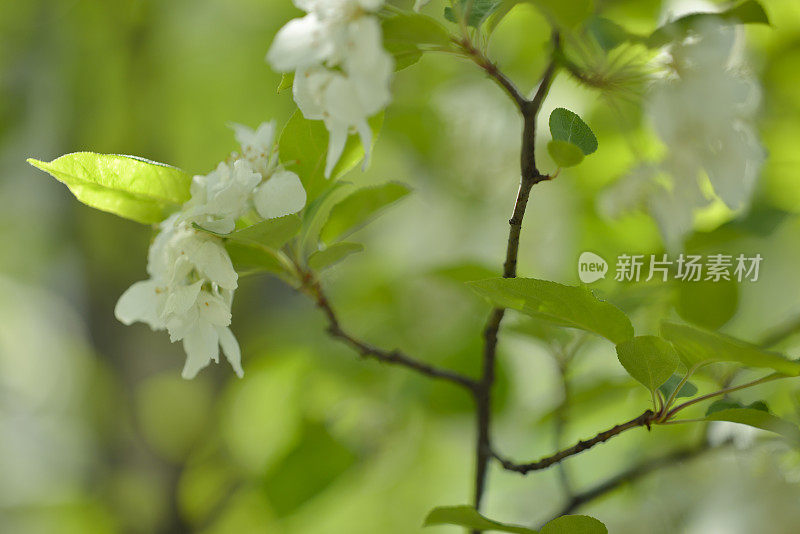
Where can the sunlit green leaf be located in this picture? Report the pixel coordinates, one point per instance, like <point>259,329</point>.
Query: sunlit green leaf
<point>303,146</point>
<point>698,346</point>
<point>758,418</point>
<point>568,126</point>
<point>574,524</point>
<point>565,154</point>
<point>570,306</point>
<point>332,255</point>
<point>648,359</point>
<point>468,517</point>
<point>359,208</point>
<point>687,389</point>
<point>131,187</point>
<point>748,12</point>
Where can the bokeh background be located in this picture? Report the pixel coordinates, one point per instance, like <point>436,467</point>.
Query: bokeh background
<point>98,432</point>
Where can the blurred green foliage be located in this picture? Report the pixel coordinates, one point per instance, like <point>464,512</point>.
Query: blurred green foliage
<point>98,433</point>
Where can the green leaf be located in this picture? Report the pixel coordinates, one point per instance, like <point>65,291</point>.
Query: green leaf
<point>574,524</point>
<point>542,331</point>
<point>476,11</point>
<point>706,303</point>
<point>758,418</point>
<point>648,359</point>
<point>316,215</point>
<point>322,259</point>
<point>303,146</point>
<point>727,404</point>
<point>248,259</point>
<point>567,126</point>
<point>565,13</point>
<point>564,153</point>
<point>271,233</point>
<point>468,517</point>
<point>574,307</point>
<point>415,29</point>
<point>360,208</point>
<point>749,12</point>
<point>687,390</point>
<point>287,80</point>
<point>697,346</point>
<point>407,35</point>
<point>135,188</point>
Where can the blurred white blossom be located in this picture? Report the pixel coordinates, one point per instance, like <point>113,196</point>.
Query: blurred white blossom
<point>192,279</point>
<point>703,108</point>
<point>342,72</point>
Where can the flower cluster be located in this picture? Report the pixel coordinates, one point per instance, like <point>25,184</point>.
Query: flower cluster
<point>703,111</point>
<point>342,72</point>
<point>192,279</point>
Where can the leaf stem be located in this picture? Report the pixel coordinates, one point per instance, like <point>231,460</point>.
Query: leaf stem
<point>724,391</point>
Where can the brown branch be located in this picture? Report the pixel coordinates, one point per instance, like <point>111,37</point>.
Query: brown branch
<point>312,287</point>
<point>530,176</point>
<point>643,420</point>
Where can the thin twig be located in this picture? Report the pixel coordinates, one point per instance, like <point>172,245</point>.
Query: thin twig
<point>314,289</point>
<point>643,420</point>
<point>492,70</point>
<point>768,378</point>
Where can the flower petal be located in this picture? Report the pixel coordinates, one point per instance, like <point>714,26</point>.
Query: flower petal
<point>212,260</point>
<point>281,195</point>
<point>338,138</point>
<point>230,347</point>
<point>181,298</point>
<point>213,309</point>
<point>201,345</point>
<point>141,302</point>
<point>301,43</point>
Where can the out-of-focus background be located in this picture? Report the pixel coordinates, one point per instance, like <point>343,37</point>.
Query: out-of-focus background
<point>98,432</point>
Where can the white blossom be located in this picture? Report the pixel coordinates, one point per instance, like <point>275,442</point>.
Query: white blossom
<point>192,279</point>
<point>257,145</point>
<point>703,109</point>
<point>342,71</point>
